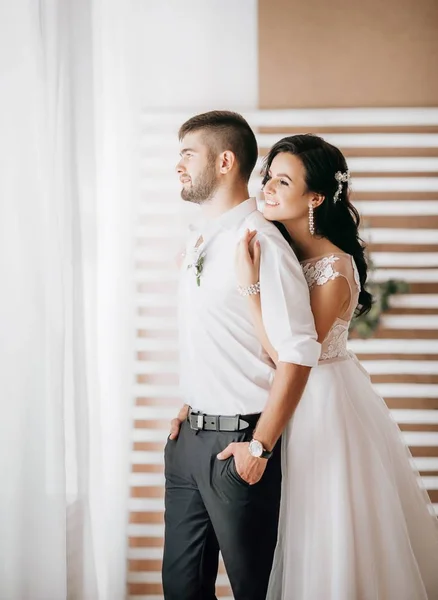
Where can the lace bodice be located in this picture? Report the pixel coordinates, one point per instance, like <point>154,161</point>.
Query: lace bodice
<point>321,270</point>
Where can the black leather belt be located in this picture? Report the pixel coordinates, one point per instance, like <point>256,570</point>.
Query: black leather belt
<point>202,422</point>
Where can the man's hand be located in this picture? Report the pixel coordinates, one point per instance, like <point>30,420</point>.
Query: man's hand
<point>175,424</point>
<point>249,467</point>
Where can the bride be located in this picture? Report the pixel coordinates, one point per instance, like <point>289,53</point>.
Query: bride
<point>354,523</point>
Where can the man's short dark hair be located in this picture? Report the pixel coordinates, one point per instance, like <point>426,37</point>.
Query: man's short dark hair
<point>229,131</point>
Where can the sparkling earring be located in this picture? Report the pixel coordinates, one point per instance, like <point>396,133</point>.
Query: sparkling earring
<point>311,221</point>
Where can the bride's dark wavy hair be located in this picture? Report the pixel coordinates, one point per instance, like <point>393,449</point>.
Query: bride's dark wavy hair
<point>338,222</point>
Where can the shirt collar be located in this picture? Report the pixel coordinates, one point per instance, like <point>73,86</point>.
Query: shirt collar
<point>232,219</point>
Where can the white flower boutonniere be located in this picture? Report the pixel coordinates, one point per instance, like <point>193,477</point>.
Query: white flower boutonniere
<point>198,266</point>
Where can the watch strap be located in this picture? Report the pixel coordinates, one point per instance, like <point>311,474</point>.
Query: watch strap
<point>266,453</point>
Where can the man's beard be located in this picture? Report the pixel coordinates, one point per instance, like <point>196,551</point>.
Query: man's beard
<point>203,188</point>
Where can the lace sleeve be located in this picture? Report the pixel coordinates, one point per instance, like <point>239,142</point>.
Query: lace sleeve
<point>321,271</point>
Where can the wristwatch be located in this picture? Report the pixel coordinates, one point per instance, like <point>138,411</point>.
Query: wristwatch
<point>256,449</point>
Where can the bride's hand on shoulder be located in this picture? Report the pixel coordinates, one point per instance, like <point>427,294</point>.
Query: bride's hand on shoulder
<point>248,259</point>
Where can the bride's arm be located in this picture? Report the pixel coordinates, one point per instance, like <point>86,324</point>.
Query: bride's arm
<point>248,270</point>
<point>255,309</point>
<point>328,301</point>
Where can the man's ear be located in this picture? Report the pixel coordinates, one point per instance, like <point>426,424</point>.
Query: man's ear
<point>227,160</point>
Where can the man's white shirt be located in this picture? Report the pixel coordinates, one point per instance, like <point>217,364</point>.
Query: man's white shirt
<point>223,366</point>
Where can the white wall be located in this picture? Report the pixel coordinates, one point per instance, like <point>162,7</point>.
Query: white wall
<point>197,54</point>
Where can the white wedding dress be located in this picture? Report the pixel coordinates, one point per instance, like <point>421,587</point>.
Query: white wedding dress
<point>354,522</point>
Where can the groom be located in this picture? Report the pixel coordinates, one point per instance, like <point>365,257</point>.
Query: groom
<point>237,402</point>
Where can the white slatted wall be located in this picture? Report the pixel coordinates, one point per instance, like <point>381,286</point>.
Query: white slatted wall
<point>393,156</point>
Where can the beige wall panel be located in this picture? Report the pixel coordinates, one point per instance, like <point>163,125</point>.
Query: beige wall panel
<point>348,53</point>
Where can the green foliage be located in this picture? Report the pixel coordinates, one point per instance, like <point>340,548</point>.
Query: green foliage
<point>198,267</point>
<point>366,325</point>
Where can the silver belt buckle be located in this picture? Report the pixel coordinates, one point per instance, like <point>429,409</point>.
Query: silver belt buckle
<point>200,421</point>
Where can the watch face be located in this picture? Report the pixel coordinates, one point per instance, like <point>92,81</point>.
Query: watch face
<point>256,448</point>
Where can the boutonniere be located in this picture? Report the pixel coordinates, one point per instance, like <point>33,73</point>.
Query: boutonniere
<point>198,266</point>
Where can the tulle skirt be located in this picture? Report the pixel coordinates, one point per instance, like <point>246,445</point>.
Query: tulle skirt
<point>354,522</point>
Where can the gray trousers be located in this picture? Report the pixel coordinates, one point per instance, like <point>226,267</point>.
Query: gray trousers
<point>208,507</point>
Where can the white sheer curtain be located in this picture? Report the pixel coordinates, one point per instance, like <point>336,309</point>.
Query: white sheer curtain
<point>65,235</point>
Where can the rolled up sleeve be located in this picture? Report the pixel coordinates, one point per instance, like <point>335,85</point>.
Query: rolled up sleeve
<point>285,303</point>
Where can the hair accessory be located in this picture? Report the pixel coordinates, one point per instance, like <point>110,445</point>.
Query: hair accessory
<point>341,178</point>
